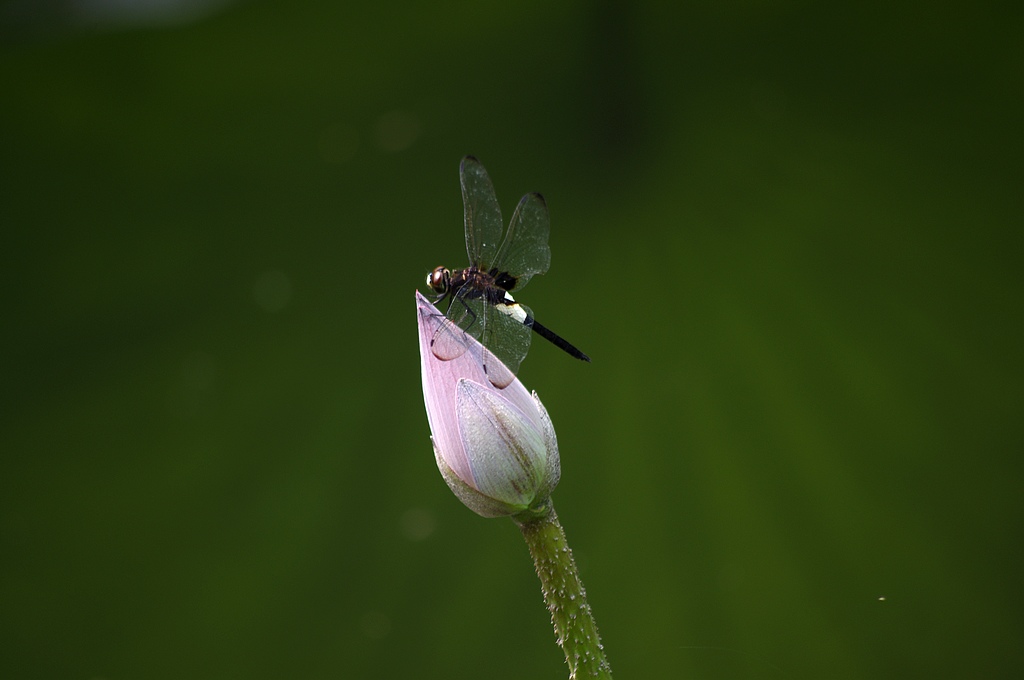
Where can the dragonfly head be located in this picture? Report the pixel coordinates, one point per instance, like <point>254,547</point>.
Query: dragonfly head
<point>440,281</point>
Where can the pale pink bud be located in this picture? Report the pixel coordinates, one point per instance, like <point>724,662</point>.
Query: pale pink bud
<point>495,446</point>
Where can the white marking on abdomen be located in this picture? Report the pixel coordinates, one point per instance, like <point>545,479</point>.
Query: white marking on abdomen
<point>513,309</point>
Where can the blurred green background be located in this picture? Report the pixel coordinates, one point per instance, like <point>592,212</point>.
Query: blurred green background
<point>788,234</point>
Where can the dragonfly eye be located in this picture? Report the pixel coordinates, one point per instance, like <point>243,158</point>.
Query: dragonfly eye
<point>439,280</point>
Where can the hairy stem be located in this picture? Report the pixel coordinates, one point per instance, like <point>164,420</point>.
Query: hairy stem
<point>563,591</point>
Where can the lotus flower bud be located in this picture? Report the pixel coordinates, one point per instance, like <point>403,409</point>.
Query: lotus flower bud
<point>495,446</point>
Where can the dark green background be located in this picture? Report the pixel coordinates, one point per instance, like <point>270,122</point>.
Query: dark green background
<point>788,234</point>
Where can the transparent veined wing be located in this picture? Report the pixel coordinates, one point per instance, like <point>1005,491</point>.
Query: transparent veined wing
<point>507,340</point>
<point>525,250</point>
<point>482,213</point>
<point>505,335</point>
<point>450,342</point>
<point>468,316</point>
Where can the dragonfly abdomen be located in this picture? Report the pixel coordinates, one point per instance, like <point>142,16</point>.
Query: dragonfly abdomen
<point>555,339</point>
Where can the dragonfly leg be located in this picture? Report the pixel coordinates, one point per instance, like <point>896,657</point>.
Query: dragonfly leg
<point>469,310</point>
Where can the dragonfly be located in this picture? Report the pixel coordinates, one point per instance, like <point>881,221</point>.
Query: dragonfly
<point>479,297</point>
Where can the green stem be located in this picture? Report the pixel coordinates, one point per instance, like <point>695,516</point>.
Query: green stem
<point>563,592</point>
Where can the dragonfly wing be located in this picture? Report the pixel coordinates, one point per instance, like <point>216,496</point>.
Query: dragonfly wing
<point>483,216</point>
<point>448,341</point>
<point>471,317</point>
<point>525,250</point>
<point>466,315</point>
<point>505,335</point>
